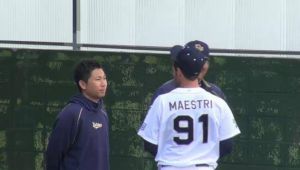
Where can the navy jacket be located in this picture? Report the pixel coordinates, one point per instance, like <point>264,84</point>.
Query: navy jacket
<point>79,140</point>
<point>171,85</point>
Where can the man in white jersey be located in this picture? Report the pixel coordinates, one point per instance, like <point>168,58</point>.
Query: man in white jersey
<point>188,123</point>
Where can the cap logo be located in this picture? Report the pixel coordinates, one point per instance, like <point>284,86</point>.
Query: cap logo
<point>199,47</point>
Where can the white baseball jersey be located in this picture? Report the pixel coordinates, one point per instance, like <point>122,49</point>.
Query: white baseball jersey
<point>187,124</point>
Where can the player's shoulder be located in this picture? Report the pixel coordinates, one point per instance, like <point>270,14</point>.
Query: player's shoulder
<point>168,86</point>
<point>213,88</point>
<point>69,111</point>
<point>215,98</point>
<point>171,93</point>
<point>164,88</point>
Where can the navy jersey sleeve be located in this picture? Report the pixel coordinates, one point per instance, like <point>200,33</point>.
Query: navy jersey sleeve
<point>61,138</point>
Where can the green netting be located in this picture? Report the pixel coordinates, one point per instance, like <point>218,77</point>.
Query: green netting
<point>34,85</point>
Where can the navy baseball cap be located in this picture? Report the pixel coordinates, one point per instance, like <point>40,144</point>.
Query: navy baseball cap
<point>190,61</point>
<point>199,45</point>
<point>174,51</point>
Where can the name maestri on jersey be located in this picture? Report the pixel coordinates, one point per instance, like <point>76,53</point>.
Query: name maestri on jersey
<point>190,104</point>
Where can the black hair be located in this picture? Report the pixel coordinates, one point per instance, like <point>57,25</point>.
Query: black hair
<point>189,77</point>
<point>84,69</point>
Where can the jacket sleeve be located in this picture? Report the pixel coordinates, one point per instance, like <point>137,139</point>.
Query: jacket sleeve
<point>61,138</point>
<point>226,147</point>
<point>218,92</point>
<point>151,148</point>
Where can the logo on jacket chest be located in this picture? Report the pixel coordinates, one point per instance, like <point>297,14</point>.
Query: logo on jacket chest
<point>97,125</point>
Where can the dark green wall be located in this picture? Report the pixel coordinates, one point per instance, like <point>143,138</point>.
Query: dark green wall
<point>34,85</point>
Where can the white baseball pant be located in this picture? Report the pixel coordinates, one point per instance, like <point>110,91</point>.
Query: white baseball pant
<point>185,168</point>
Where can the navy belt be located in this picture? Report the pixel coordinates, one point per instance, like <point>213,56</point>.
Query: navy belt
<point>196,165</point>
<point>199,165</point>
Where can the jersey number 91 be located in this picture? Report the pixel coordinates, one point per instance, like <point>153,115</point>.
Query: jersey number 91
<point>189,129</point>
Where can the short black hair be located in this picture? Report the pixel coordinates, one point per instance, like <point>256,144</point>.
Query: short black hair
<point>83,70</point>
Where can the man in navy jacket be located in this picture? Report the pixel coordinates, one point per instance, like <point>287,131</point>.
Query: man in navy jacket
<point>225,145</point>
<point>171,84</point>
<point>79,140</point>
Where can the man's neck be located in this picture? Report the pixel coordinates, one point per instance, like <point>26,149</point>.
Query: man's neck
<point>90,98</point>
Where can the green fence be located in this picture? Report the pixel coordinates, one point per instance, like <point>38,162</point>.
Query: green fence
<point>34,85</point>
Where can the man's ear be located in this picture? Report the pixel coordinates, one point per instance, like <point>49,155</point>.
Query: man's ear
<point>82,84</point>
